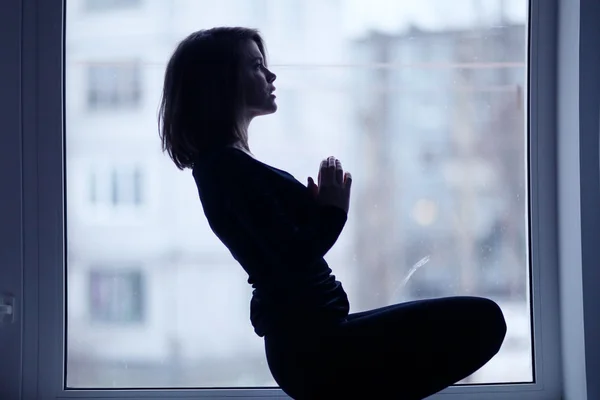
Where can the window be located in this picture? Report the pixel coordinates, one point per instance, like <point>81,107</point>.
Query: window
<point>98,5</point>
<point>36,195</point>
<point>108,192</point>
<point>114,86</point>
<point>116,296</point>
<point>118,186</point>
<point>447,204</point>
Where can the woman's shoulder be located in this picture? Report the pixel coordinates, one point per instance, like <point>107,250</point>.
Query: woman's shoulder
<point>226,163</point>
<point>223,157</point>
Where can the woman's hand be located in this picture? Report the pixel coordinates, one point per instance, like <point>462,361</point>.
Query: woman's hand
<point>334,185</point>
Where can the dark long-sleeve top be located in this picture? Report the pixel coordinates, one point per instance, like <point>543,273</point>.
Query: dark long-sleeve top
<point>278,233</point>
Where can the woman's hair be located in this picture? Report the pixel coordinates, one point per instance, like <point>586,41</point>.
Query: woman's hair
<point>202,96</point>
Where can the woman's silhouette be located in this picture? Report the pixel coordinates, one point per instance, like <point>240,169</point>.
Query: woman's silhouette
<point>279,230</point>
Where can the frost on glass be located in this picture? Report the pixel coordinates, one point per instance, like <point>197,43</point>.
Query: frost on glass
<point>423,101</point>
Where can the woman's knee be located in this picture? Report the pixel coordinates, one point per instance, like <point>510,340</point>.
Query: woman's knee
<point>490,322</point>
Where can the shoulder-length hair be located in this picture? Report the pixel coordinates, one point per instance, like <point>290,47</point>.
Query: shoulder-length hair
<point>202,96</point>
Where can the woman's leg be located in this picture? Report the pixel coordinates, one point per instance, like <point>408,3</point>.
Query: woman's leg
<point>366,313</point>
<point>406,351</point>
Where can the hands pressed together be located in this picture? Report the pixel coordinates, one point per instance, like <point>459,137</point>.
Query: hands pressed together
<point>333,186</point>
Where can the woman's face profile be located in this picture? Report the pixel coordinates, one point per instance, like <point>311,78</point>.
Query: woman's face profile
<point>257,82</point>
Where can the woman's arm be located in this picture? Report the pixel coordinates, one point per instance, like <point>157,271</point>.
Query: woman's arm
<point>255,204</point>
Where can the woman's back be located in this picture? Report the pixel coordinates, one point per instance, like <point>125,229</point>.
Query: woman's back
<point>278,233</point>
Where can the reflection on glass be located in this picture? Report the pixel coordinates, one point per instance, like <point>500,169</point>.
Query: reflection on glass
<point>422,101</point>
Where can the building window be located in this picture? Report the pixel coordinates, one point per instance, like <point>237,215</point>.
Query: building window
<point>99,5</point>
<point>116,296</point>
<point>117,187</point>
<point>113,85</point>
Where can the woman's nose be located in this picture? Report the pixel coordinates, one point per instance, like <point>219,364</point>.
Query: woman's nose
<point>271,77</point>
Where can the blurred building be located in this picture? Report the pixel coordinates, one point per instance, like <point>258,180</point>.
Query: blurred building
<point>440,120</point>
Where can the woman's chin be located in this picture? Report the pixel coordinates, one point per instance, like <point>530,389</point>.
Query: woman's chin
<point>271,107</point>
<point>268,108</point>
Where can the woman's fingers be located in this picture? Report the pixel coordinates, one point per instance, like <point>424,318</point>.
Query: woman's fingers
<point>339,172</point>
<point>347,188</point>
<point>327,171</point>
<point>334,184</point>
<point>312,187</point>
<point>348,180</point>
<point>331,171</point>
<point>322,171</point>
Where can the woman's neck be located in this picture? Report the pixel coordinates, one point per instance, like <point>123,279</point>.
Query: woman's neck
<point>239,146</point>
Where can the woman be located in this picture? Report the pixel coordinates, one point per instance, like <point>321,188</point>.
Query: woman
<point>279,230</point>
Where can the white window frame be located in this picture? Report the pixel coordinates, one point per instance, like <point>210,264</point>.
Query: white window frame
<point>565,212</point>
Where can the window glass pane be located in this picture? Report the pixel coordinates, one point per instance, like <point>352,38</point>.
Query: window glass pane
<point>423,101</point>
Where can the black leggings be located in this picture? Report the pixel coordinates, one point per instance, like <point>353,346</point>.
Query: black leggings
<point>404,351</point>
